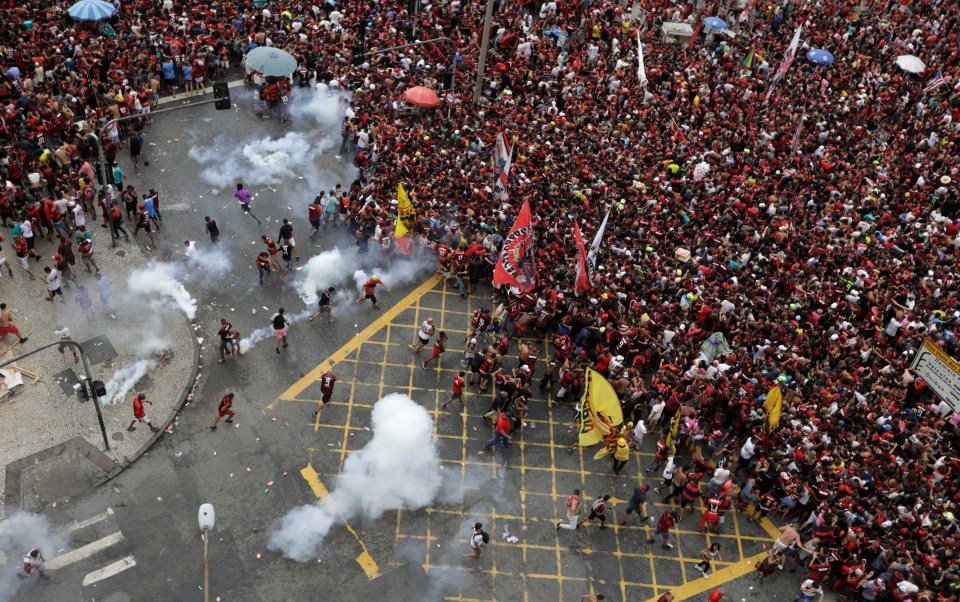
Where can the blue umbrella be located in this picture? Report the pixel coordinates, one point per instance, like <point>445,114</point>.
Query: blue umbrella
<point>819,56</point>
<point>715,23</point>
<point>91,10</point>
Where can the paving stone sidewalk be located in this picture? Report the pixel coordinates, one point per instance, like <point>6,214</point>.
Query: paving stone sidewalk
<point>51,445</point>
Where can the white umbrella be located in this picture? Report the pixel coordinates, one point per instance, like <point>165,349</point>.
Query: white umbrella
<point>911,64</point>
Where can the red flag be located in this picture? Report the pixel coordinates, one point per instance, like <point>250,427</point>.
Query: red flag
<point>583,278</point>
<point>516,265</point>
<point>696,32</point>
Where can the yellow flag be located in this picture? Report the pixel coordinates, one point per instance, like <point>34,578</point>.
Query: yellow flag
<point>671,441</point>
<point>600,411</point>
<point>406,214</point>
<point>772,408</point>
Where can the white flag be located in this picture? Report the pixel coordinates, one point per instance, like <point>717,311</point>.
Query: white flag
<point>504,160</point>
<point>641,71</point>
<point>595,246</point>
<point>785,65</point>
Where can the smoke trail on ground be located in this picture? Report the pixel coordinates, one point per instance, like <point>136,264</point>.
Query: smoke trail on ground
<point>398,468</point>
<point>20,533</point>
<point>266,332</point>
<point>124,379</point>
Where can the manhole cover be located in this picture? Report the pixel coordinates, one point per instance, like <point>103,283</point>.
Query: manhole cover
<point>121,254</point>
<point>117,436</point>
<point>118,597</point>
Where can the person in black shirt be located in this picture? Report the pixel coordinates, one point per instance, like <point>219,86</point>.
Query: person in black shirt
<point>325,305</point>
<point>210,227</point>
<point>280,324</point>
<point>286,253</point>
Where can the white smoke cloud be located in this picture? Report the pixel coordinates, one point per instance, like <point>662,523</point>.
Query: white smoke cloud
<point>20,533</point>
<point>158,284</point>
<point>398,468</point>
<point>327,111</point>
<point>263,161</point>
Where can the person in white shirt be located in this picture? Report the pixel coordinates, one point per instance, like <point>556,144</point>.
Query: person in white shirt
<point>424,335</point>
<point>476,542</point>
<point>52,278</point>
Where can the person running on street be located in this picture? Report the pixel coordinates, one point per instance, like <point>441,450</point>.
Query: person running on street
<point>423,335</point>
<point>22,251</point>
<point>263,265</point>
<point>280,324</point>
<point>667,520</point>
<point>637,503</point>
<point>477,541</point>
<point>598,510</point>
<point>327,382</point>
<point>574,508</point>
<point>438,348</point>
<point>54,286</point>
<point>224,410</point>
<point>458,384</point>
<point>325,305</point>
<point>286,236</point>
<point>243,197</point>
<point>224,334</point>
<point>370,289</point>
<point>139,415</point>
<point>272,250</point>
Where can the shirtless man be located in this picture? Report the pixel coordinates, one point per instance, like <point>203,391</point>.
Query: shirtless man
<point>788,536</point>
<point>6,323</point>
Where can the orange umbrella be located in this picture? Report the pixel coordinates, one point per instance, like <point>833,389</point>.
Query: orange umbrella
<point>421,97</point>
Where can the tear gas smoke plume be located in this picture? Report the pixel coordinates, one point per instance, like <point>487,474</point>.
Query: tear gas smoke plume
<point>398,468</point>
<point>20,533</point>
<point>158,283</point>
<point>337,268</point>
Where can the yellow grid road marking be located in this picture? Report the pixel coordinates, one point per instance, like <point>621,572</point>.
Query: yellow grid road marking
<point>370,361</point>
<point>365,560</point>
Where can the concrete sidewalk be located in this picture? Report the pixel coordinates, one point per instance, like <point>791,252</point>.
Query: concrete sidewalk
<point>52,445</point>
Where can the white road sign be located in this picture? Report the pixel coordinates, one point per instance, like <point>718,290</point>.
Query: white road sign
<point>940,371</point>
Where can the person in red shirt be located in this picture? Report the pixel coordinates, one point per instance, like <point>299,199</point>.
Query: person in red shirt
<point>139,415</point>
<point>438,348</point>
<point>225,409</point>
<point>272,249</point>
<point>327,381</point>
<point>666,597</point>
<point>666,522</point>
<point>263,265</point>
<point>458,385</point>
<point>370,289</point>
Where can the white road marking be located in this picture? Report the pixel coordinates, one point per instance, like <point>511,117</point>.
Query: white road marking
<point>109,571</point>
<point>86,551</point>
<point>82,524</point>
<point>72,528</point>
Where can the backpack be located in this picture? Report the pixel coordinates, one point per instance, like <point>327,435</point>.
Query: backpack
<point>486,537</point>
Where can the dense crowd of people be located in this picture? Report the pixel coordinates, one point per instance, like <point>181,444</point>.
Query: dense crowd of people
<point>805,232</point>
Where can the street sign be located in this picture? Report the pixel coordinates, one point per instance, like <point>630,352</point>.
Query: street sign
<point>940,371</point>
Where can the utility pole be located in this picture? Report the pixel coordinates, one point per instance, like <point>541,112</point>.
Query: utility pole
<point>97,388</point>
<point>484,47</point>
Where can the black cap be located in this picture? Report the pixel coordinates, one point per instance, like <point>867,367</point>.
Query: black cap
<point>478,526</point>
